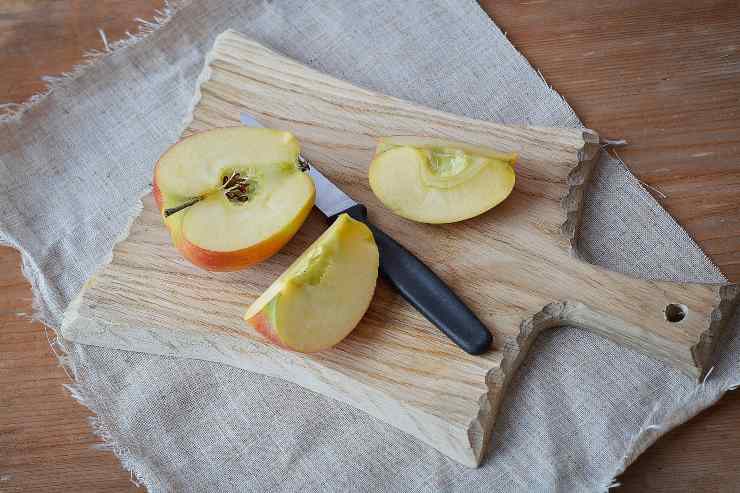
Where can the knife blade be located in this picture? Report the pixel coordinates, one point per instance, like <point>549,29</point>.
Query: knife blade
<point>416,282</point>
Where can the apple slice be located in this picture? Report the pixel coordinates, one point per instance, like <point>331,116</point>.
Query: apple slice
<point>232,197</point>
<point>439,181</point>
<point>323,295</point>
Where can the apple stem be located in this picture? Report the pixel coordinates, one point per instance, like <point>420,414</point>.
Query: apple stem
<point>171,210</point>
<point>235,187</point>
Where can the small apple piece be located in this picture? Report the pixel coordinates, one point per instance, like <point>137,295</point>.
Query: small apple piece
<point>323,295</point>
<point>232,197</point>
<point>438,181</point>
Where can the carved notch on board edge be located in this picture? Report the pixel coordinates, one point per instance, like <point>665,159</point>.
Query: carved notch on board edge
<point>704,351</point>
<point>497,379</point>
<point>579,180</point>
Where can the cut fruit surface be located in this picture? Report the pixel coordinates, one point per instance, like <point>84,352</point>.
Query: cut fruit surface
<point>323,295</point>
<point>439,181</point>
<point>243,192</point>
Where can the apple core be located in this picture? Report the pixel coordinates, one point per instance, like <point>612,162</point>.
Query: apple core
<point>232,197</point>
<point>438,181</point>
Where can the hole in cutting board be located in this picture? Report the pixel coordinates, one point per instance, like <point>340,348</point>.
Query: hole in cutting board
<point>675,312</point>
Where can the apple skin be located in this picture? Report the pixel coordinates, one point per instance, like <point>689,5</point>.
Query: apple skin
<point>263,324</point>
<point>361,249</point>
<point>237,259</point>
<point>233,260</point>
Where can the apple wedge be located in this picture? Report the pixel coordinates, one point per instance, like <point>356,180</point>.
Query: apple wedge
<point>439,181</point>
<point>323,295</point>
<point>232,197</point>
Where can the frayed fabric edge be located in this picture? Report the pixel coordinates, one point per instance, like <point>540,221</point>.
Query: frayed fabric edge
<point>12,113</point>
<point>677,228</point>
<point>658,425</point>
<point>78,389</point>
<point>109,442</point>
<point>62,350</point>
<point>571,112</point>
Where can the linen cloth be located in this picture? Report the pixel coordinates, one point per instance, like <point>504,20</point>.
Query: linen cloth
<point>73,165</point>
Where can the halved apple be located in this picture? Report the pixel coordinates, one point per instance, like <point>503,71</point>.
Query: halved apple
<point>232,197</point>
<point>323,295</point>
<point>439,181</point>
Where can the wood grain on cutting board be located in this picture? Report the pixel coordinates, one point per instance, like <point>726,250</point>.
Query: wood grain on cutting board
<point>513,265</point>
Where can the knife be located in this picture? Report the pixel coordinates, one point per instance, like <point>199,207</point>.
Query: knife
<point>410,276</point>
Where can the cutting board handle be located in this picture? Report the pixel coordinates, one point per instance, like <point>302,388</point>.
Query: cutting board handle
<point>680,323</point>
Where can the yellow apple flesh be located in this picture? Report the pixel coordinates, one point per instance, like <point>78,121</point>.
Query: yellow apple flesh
<point>323,295</point>
<point>250,196</point>
<point>438,181</point>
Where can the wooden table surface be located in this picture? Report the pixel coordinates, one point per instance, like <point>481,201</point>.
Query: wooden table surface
<point>665,75</point>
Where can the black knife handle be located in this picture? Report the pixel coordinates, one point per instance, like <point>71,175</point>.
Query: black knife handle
<point>425,291</point>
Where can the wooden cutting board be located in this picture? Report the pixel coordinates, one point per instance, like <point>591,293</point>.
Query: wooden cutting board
<point>513,265</point>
